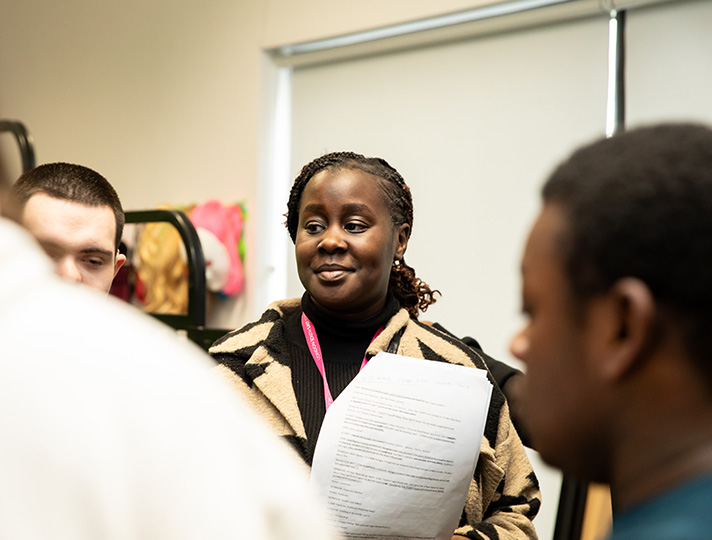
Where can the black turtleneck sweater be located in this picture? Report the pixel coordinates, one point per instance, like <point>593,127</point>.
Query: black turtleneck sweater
<point>343,345</point>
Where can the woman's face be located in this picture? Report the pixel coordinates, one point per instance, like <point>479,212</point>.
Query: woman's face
<point>346,243</point>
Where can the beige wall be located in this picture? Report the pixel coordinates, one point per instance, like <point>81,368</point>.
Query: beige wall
<point>163,97</point>
<point>289,22</point>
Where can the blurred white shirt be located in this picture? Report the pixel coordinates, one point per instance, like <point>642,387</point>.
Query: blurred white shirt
<point>113,427</point>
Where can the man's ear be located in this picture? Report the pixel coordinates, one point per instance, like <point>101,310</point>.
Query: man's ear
<point>633,313</point>
<point>120,260</point>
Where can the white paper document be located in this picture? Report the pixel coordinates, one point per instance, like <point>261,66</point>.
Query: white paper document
<point>398,448</point>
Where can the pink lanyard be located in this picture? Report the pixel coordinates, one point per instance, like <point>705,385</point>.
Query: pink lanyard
<point>315,349</point>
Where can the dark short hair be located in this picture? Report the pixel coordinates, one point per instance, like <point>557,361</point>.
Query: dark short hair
<point>640,205</point>
<point>74,183</point>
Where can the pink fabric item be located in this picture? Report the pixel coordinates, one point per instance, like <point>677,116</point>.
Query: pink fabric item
<point>225,222</point>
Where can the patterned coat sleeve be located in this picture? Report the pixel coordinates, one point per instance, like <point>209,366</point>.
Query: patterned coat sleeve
<point>504,494</point>
<point>509,495</point>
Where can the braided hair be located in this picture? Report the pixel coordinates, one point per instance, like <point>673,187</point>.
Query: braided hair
<point>412,292</point>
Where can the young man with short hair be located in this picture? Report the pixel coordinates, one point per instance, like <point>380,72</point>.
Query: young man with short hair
<point>617,287</point>
<point>112,426</point>
<point>76,216</point>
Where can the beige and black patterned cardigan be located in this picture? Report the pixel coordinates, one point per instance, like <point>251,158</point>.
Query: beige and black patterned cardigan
<point>504,494</point>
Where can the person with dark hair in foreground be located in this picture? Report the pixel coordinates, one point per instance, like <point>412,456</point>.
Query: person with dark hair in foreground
<point>76,216</point>
<point>617,285</point>
<point>350,218</point>
<point>113,427</point>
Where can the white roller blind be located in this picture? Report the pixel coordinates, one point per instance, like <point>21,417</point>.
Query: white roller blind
<point>669,63</point>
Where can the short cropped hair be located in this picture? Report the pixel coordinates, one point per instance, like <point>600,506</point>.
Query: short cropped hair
<point>640,205</point>
<point>74,183</point>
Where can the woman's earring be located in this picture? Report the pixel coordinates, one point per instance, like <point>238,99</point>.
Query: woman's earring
<point>396,263</point>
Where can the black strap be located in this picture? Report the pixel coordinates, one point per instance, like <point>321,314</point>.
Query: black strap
<point>395,341</point>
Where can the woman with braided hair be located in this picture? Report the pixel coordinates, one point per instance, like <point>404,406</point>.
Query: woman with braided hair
<point>350,218</point>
